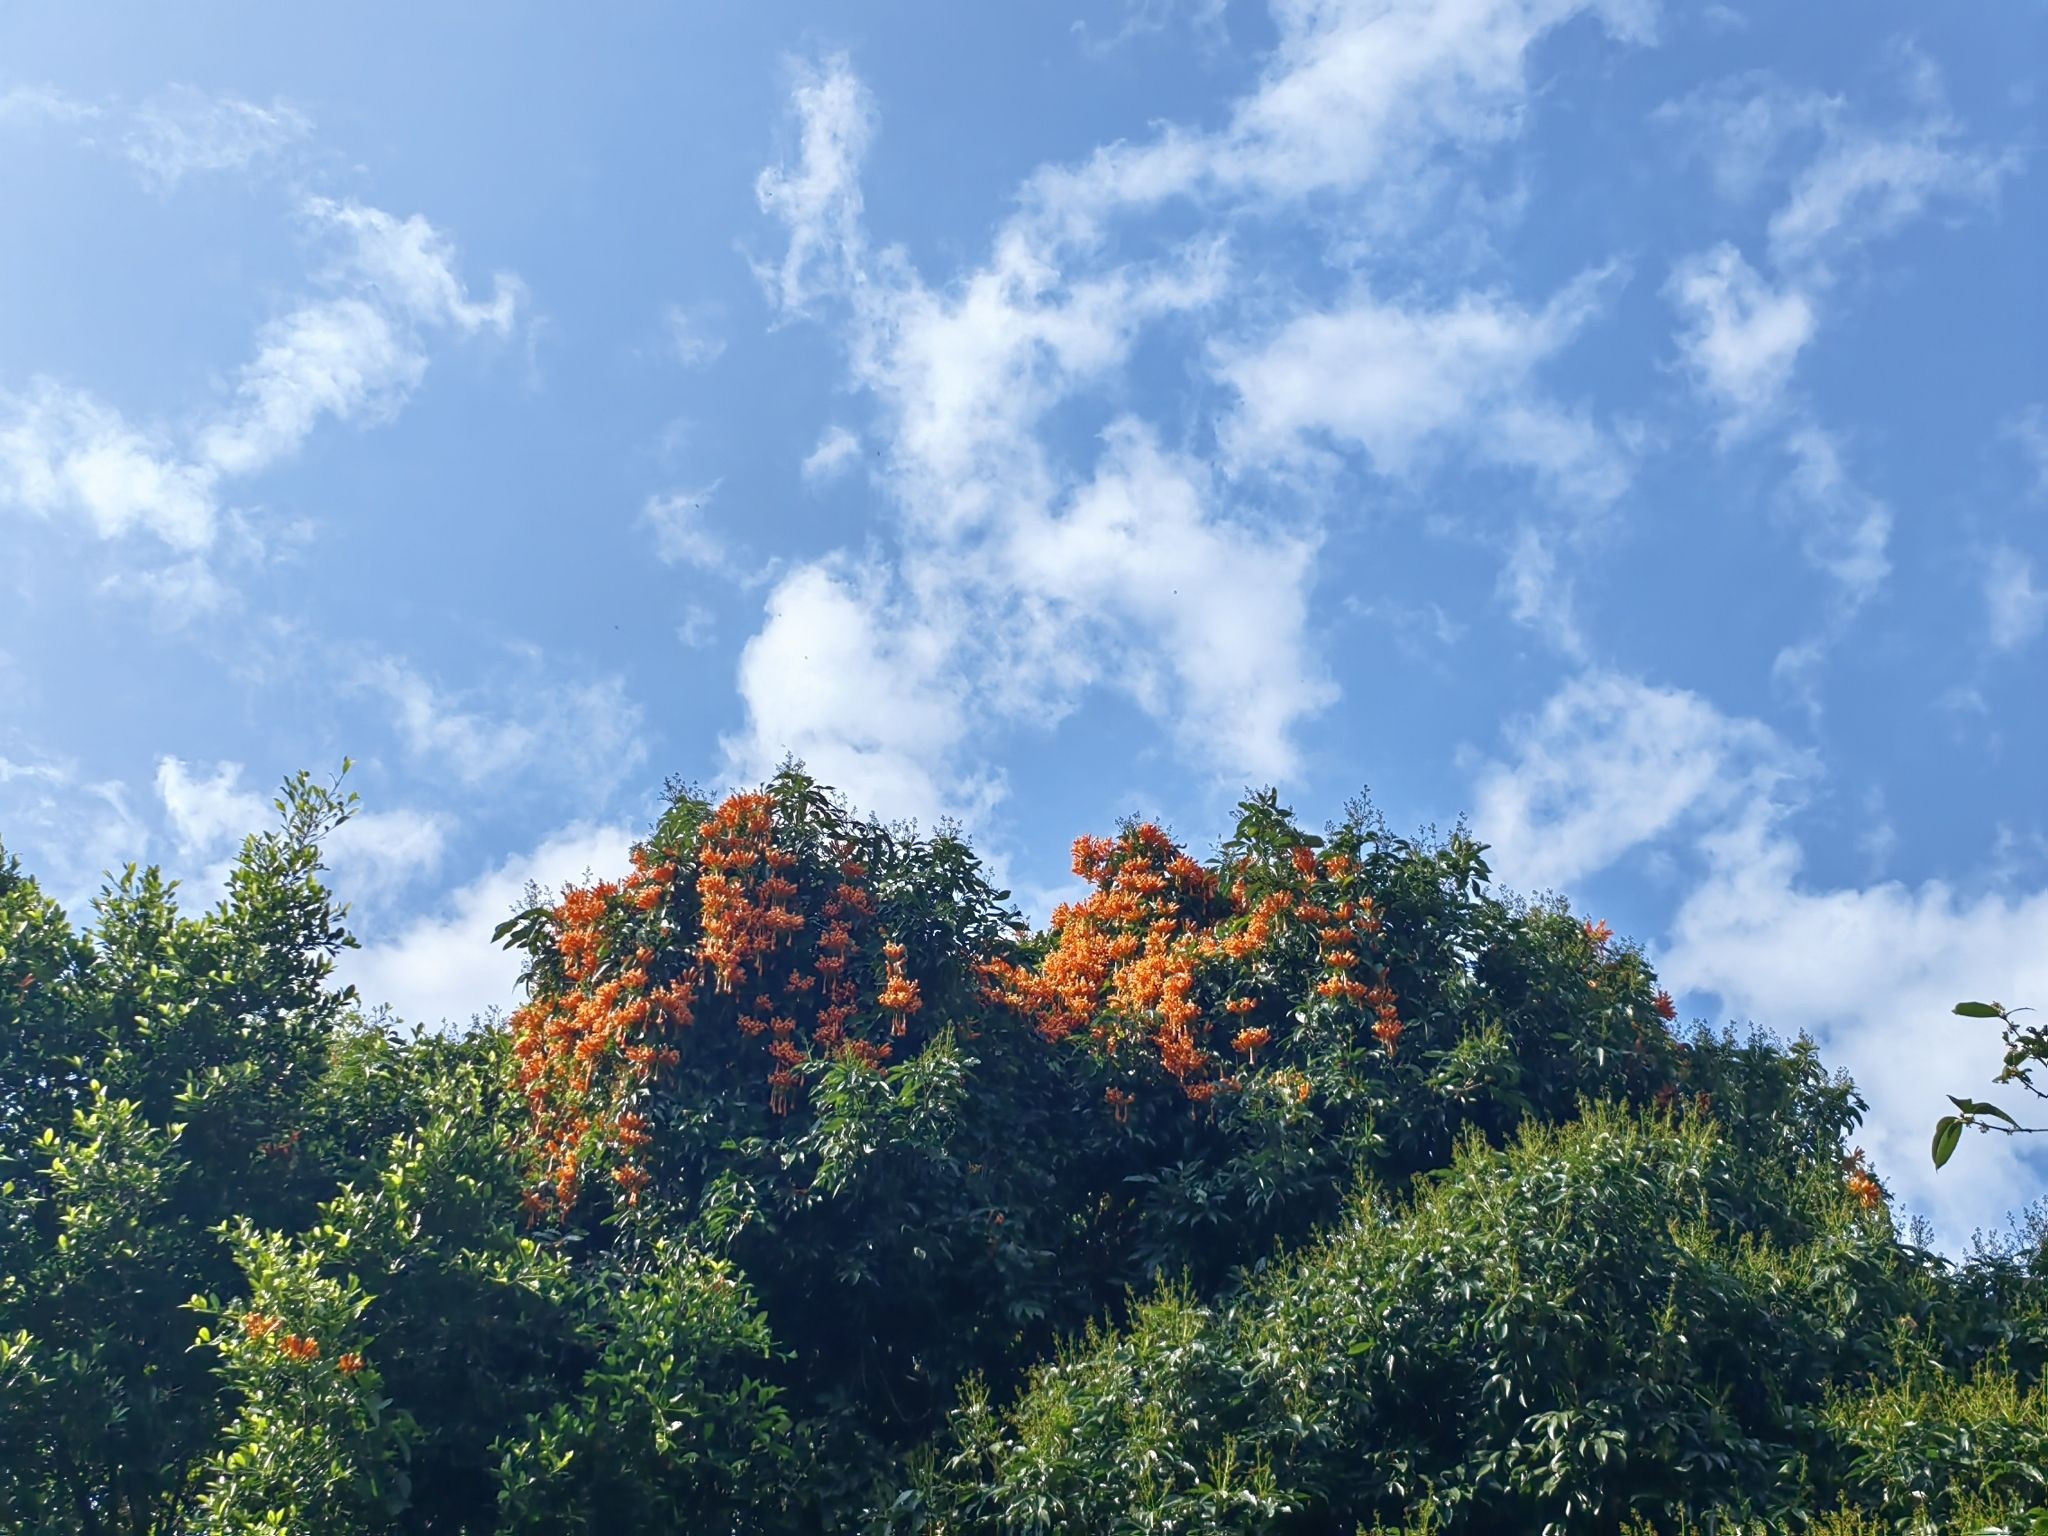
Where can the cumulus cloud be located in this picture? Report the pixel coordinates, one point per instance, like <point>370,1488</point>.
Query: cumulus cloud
<point>1611,763</point>
<point>183,131</point>
<point>1872,973</point>
<point>1613,767</point>
<point>1395,379</point>
<point>64,453</point>
<point>1024,579</point>
<point>851,677</point>
<point>442,968</point>
<point>372,856</point>
<point>341,358</point>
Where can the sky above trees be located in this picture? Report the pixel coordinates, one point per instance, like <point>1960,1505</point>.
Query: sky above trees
<point>1622,425</point>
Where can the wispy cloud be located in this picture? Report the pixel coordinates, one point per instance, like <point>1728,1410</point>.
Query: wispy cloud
<point>2014,608</point>
<point>836,452</point>
<point>1742,336</point>
<point>44,104</point>
<point>185,131</point>
<point>685,535</point>
<point>690,341</point>
<point>1742,331</point>
<point>355,353</point>
<point>535,726</point>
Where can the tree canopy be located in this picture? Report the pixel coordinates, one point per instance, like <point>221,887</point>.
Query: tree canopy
<point>1311,1185</point>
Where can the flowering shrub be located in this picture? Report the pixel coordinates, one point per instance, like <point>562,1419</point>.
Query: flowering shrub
<point>811,1191</point>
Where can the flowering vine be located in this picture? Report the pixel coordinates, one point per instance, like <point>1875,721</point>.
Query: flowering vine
<point>752,924</point>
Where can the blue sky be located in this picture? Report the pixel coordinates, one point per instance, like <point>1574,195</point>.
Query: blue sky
<point>1622,425</point>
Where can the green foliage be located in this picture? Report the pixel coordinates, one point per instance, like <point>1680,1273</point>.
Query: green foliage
<point>2026,1051</point>
<point>1555,1335</point>
<point>1475,1243</point>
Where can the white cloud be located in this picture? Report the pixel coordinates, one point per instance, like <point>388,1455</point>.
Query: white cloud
<point>207,813</point>
<point>444,968</point>
<point>698,627</point>
<point>67,831</point>
<point>2014,607</point>
<point>835,453</point>
<point>1201,618</point>
<point>587,734</point>
<point>372,856</point>
<point>1872,973</point>
<point>819,200</point>
<point>1022,579</point>
<point>1613,767</point>
<point>1539,593</point>
<point>1355,92</point>
<point>1866,184</point>
<point>356,354</point>
<point>682,535</point>
<point>408,267</point>
<point>43,104</point>
<point>339,358</point>
<point>1743,336</point>
<point>1740,127</point>
<point>854,681</point>
<point>688,341</point>
<point>1609,764</point>
<point>1743,332</point>
<point>184,130</point>
<point>2029,429</point>
<point>64,453</point>
<point>1843,529</point>
<point>1142,18</point>
<point>1395,379</point>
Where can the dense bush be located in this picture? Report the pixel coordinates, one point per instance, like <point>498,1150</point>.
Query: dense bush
<point>1311,1186</point>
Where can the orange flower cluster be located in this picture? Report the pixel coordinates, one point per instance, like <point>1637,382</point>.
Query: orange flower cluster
<point>1667,1010</point>
<point>1128,959</point>
<point>293,1347</point>
<point>899,996</point>
<point>634,981</point>
<point>349,1363</point>
<point>571,1044</point>
<point>1862,1183</point>
<point>743,888</point>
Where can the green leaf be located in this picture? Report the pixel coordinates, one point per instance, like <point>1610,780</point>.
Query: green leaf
<point>1979,1010</point>
<point>1946,1135</point>
<point>1979,1107</point>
